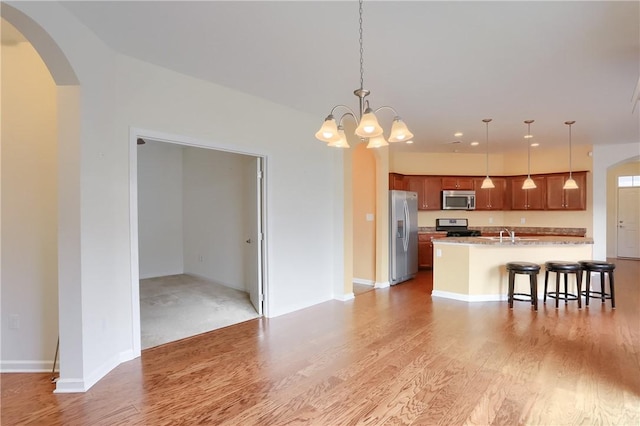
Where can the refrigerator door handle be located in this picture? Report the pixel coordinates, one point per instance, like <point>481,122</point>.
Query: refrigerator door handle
<point>405,240</point>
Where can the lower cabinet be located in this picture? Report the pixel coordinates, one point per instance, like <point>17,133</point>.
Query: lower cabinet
<point>425,249</point>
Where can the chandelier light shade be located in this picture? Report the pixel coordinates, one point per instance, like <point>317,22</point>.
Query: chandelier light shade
<point>528,182</point>
<point>342,139</point>
<point>487,183</point>
<point>367,126</point>
<point>571,182</point>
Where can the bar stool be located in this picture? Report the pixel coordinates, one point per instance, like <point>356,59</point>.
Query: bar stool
<point>603,268</point>
<point>564,268</point>
<point>526,268</point>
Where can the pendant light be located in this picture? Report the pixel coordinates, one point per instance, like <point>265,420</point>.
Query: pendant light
<point>487,183</point>
<point>570,183</point>
<point>367,126</point>
<point>528,182</point>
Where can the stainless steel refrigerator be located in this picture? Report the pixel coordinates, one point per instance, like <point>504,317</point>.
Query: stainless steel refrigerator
<point>403,241</point>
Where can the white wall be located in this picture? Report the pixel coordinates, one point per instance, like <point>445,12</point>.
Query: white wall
<point>214,219</point>
<point>160,224</point>
<point>29,271</point>
<point>117,93</point>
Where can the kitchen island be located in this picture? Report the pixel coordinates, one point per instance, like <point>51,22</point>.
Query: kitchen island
<point>472,269</point>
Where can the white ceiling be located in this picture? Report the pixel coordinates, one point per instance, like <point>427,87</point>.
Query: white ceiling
<point>444,66</point>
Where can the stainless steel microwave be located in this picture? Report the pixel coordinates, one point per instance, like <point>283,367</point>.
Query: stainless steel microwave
<point>458,200</point>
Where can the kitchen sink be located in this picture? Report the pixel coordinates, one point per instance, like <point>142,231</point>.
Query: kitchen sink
<point>508,239</point>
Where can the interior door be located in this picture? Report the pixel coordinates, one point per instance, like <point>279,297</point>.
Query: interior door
<point>255,238</point>
<point>629,222</point>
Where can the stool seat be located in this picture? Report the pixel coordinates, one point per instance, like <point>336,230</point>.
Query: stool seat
<point>526,268</point>
<point>523,267</point>
<point>602,268</point>
<point>560,267</point>
<point>597,265</point>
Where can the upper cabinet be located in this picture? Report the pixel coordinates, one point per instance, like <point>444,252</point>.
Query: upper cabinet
<point>428,189</point>
<point>490,198</point>
<point>559,198</point>
<point>457,182</point>
<point>527,199</point>
<point>508,194</point>
<point>397,181</point>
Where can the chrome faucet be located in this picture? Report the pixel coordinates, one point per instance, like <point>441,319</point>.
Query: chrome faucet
<point>512,234</point>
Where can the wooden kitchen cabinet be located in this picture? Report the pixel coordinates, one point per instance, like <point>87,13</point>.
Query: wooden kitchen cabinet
<point>428,189</point>
<point>397,181</point>
<point>527,199</point>
<point>425,249</point>
<point>490,199</point>
<point>559,198</point>
<point>457,182</point>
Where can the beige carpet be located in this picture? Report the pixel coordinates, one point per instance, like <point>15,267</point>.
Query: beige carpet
<point>179,306</point>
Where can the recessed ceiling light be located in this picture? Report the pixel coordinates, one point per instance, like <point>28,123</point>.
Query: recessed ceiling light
<point>528,136</point>
<point>457,134</point>
<point>535,144</point>
<point>475,143</point>
<point>410,141</point>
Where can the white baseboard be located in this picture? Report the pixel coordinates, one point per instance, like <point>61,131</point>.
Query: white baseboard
<point>469,297</point>
<point>14,366</point>
<point>363,281</point>
<point>65,385</point>
<point>344,297</point>
<point>384,284</point>
<point>70,386</point>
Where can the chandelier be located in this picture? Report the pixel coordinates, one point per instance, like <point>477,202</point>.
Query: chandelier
<point>367,128</point>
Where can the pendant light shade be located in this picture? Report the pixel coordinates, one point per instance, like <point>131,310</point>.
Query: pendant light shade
<point>367,126</point>
<point>377,142</point>
<point>329,130</point>
<point>528,182</point>
<point>399,131</point>
<point>342,139</point>
<point>571,182</point>
<point>487,183</point>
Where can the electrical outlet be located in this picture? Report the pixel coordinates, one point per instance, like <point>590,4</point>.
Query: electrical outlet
<point>369,217</point>
<point>438,252</point>
<point>200,258</point>
<point>522,220</point>
<point>490,220</point>
<point>14,322</point>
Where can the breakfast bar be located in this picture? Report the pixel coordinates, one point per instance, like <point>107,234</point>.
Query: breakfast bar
<point>472,269</point>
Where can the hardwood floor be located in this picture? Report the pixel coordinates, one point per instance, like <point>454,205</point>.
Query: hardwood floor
<point>390,356</point>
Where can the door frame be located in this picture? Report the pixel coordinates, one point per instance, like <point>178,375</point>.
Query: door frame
<point>134,134</point>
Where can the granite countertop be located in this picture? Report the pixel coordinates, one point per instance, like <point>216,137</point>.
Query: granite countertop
<point>519,241</point>
<point>519,230</point>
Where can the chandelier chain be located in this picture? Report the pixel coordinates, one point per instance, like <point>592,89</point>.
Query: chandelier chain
<point>361,50</point>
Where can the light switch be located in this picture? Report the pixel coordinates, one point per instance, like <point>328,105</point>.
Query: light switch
<point>369,217</point>
<point>438,252</point>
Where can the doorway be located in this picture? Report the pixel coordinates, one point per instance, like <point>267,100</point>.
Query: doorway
<point>200,246</point>
<point>628,222</point>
